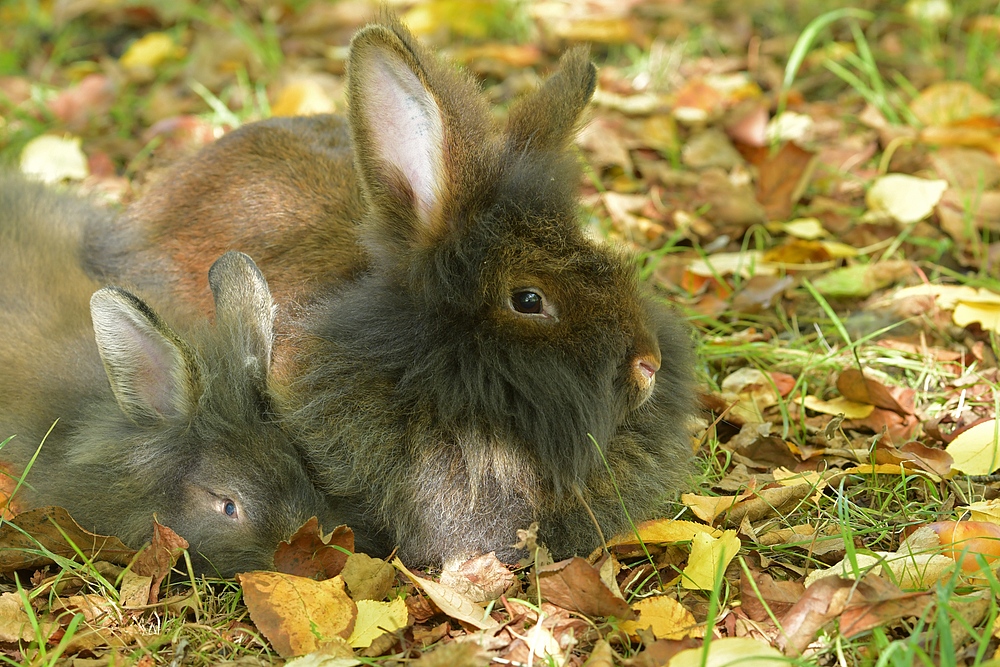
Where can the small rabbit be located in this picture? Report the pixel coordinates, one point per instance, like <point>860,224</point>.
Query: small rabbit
<point>150,423</point>
<point>463,360</point>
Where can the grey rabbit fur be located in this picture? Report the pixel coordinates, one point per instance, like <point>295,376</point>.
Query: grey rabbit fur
<point>460,344</point>
<point>150,422</point>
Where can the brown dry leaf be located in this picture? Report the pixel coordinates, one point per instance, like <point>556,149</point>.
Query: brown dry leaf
<point>44,528</point>
<point>575,585</point>
<point>822,602</point>
<point>368,578</point>
<point>308,553</point>
<point>660,652</point>
<point>854,386</point>
<point>15,625</point>
<point>876,602</point>
<point>897,427</point>
<point>766,594</point>
<point>915,455</point>
<point>600,656</point>
<point>967,168</point>
<point>450,601</point>
<point>296,614</point>
<point>761,293</point>
<point>480,579</point>
<point>156,560</point>
<point>135,589</point>
<point>782,177</point>
<point>768,502</point>
<point>665,617</point>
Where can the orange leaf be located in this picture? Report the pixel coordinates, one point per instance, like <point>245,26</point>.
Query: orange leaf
<point>308,554</point>
<point>298,615</point>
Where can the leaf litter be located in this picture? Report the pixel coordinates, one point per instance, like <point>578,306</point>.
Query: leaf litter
<point>837,251</point>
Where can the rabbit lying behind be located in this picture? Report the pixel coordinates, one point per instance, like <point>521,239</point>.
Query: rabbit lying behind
<point>150,423</point>
<point>465,359</point>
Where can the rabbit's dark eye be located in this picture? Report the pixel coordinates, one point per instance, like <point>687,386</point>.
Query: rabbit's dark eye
<point>229,507</point>
<point>529,302</point>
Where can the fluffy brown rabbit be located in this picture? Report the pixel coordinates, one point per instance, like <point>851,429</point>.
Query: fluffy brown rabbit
<point>150,423</point>
<point>465,358</point>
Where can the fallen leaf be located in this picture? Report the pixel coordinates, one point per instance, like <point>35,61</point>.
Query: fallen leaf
<point>575,585</point>
<point>52,159</point>
<point>663,531</point>
<point>838,406</point>
<point>985,510</point>
<point>15,624</point>
<point>449,601</point>
<point>303,97</point>
<point>375,619</point>
<point>308,553</point>
<point>905,198</point>
<point>52,529</point>
<point>600,656</point>
<point>368,578</point>
<point>664,616</point>
<point>150,51</point>
<point>854,386</point>
<point>296,614</point>
<point>156,560</point>
<point>480,579</point>
<point>709,559</point>
<point>766,594</point>
<point>731,651</point>
<point>782,178</point>
<point>976,450</point>
<point>135,589</point>
<point>948,102</point>
<point>986,314</point>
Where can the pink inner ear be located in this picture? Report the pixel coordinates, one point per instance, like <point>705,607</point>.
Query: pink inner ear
<point>406,128</point>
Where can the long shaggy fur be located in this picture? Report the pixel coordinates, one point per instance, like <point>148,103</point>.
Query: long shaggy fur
<point>112,465</point>
<point>435,416</point>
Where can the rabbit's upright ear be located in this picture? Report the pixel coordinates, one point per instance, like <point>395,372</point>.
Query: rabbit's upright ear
<point>243,305</point>
<point>154,374</point>
<point>547,119</point>
<point>398,127</point>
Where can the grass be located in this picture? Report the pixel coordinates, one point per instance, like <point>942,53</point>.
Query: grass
<point>806,335</point>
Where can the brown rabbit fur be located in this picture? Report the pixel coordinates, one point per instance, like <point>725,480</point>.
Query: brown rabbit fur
<point>461,344</point>
<point>183,431</point>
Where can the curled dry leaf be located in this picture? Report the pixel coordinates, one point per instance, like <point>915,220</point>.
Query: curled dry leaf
<point>296,614</point>
<point>450,601</point>
<point>766,594</point>
<point>156,560</point>
<point>308,553</point>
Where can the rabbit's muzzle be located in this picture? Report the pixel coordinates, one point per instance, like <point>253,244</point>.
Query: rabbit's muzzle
<point>644,368</point>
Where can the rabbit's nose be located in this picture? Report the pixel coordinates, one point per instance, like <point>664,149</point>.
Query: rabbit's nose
<point>644,369</point>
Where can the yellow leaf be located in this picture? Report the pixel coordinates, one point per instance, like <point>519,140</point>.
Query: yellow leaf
<point>948,102</point>
<point>302,98</point>
<point>151,50</point>
<point>664,616</point>
<point>665,531</point>
<point>838,406</point>
<point>906,198</point>
<point>838,250</point>
<point>987,314</point>
<point>709,557</point>
<point>707,508</point>
<point>809,229</point>
<point>975,450</point>
<point>52,159</point>
<point>375,619</point>
<point>985,510</point>
<point>729,652</point>
<point>297,615</point>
